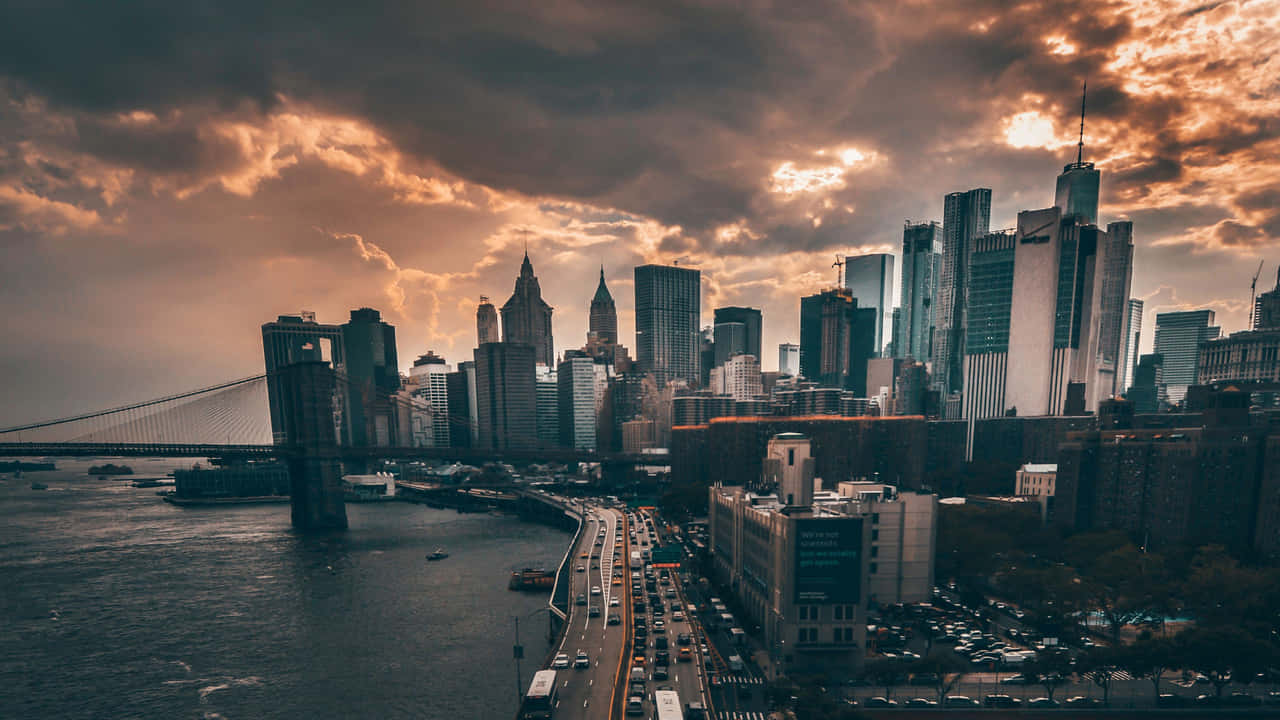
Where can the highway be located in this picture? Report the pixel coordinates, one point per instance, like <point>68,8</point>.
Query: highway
<point>603,552</point>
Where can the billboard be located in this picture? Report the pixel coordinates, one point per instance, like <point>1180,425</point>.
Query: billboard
<point>828,560</point>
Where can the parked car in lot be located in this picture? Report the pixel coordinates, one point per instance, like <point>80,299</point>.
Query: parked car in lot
<point>959,701</point>
<point>1172,700</point>
<point>921,703</point>
<point>1014,680</point>
<point>879,702</point>
<point>1080,701</point>
<point>1043,702</point>
<point>1001,701</point>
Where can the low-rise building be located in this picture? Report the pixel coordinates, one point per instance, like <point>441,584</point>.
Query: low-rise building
<point>805,563</point>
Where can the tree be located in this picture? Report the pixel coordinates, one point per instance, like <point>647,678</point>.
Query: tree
<point>947,670</point>
<point>1125,586</point>
<point>884,672</point>
<point>1102,662</point>
<point>1220,591</point>
<point>1149,657</point>
<point>1220,653</point>
<point>1049,669</point>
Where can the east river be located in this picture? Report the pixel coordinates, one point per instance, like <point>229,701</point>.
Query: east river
<point>115,604</point>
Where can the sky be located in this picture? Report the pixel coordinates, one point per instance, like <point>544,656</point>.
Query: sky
<point>173,175</point>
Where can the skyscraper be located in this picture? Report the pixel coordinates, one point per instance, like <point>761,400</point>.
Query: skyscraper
<point>461,388</point>
<point>526,318</point>
<point>1266,309</point>
<point>506,396</point>
<point>750,319</point>
<point>547,406</point>
<point>837,339</point>
<point>1179,336</point>
<point>372,377</point>
<point>966,217</point>
<point>870,279</point>
<point>603,319</point>
<point>991,273</point>
<point>1116,255</point>
<point>486,322</point>
<point>668,315</point>
<point>1077,189</point>
<point>728,339</point>
<point>430,375</point>
<point>789,359</point>
<point>292,339</point>
<point>1132,339</point>
<point>741,377</point>
<point>577,387</point>
<point>921,268</point>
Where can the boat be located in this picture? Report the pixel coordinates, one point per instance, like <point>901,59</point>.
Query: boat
<point>37,485</point>
<point>439,554</point>
<point>532,579</point>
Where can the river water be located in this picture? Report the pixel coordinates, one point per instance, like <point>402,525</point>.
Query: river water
<point>115,604</point>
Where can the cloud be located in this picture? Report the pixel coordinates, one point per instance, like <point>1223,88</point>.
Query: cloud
<point>27,210</point>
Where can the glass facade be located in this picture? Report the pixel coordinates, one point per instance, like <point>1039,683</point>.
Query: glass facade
<point>668,317</point>
<point>966,215</point>
<point>921,268</point>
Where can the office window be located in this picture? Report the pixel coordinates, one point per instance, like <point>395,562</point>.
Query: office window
<point>804,612</point>
<point>875,535</point>
<point>875,550</point>
<point>791,456</point>
<point>837,634</point>
<point>875,518</point>
<point>838,610</point>
<point>873,568</point>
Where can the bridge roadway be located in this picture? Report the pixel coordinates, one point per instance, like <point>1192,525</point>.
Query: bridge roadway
<point>591,693</point>
<point>474,456</point>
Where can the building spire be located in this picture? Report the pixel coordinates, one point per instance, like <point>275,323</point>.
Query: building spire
<point>1080,147</point>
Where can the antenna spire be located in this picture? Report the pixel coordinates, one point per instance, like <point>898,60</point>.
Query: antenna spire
<point>1080,147</point>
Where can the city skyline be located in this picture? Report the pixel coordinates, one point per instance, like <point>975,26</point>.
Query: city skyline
<point>159,197</point>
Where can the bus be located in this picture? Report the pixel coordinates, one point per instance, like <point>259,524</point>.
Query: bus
<point>540,702</point>
<point>636,561</point>
<point>667,705</point>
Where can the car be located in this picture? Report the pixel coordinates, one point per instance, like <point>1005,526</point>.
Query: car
<point>1043,702</point>
<point>660,673</point>
<point>635,706</point>
<point>582,599</point>
<point>615,619</point>
<point>617,580</point>
<point>1001,701</point>
<point>685,655</point>
<point>561,662</point>
<point>1014,680</point>
<point>921,703</point>
<point>662,657</point>
<point>614,602</point>
<point>660,642</point>
<point>677,615</point>
<point>581,569</point>
<point>593,611</point>
<point>684,638</point>
<point>959,701</point>
<point>1080,701</point>
<point>585,555</point>
<point>595,589</point>
<point>641,633</point>
<point>1172,700</point>
<point>581,661</point>
<point>670,594</point>
<point>879,702</point>
<point>927,679</point>
<point>637,662</point>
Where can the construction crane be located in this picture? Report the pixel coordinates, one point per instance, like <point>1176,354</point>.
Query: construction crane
<point>838,265</point>
<point>1253,295</point>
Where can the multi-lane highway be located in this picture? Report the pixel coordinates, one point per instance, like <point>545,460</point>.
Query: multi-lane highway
<point>595,660</point>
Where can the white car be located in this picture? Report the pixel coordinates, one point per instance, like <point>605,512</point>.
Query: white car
<point>561,662</point>
<point>613,602</point>
<point>677,615</point>
<point>582,661</point>
<point>595,589</point>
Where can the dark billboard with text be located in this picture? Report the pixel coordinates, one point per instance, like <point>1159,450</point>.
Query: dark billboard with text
<point>828,562</point>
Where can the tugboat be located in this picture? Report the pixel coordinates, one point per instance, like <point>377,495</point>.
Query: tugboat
<point>439,554</point>
<point>532,579</point>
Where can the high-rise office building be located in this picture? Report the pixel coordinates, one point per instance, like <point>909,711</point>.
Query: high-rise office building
<point>372,377</point>
<point>741,375</point>
<point>789,359</point>
<point>547,406</point>
<point>668,315</point>
<point>1132,339</point>
<point>990,304</point>
<point>728,339</point>
<point>837,338</point>
<point>870,279</point>
<point>1178,338</point>
<point>921,271</point>
<point>1116,255</point>
<point>487,322</point>
<point>1077,192</point>
<point>1266,309</point>
<point>464,425</point>
<point>603,319</point>
<point>966,217</point>
<point>748,341</point>
<point>526,318</point>
<point>1147,391</point>
<point>293,339</point>
<point>576,378</point>
<point>431,388</point>
<point>506,396</point>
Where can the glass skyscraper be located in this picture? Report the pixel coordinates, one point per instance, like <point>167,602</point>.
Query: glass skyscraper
<point>1179,336</point>
<point>748,343</point>
<point>966,217</point>
<point>870,279</point>
<point>668,318</point>
<point>921,267</point>
<point>1129,353</point>
<point>1077,192</point>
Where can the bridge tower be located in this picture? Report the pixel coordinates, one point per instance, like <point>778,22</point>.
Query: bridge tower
<point>315,470</point>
